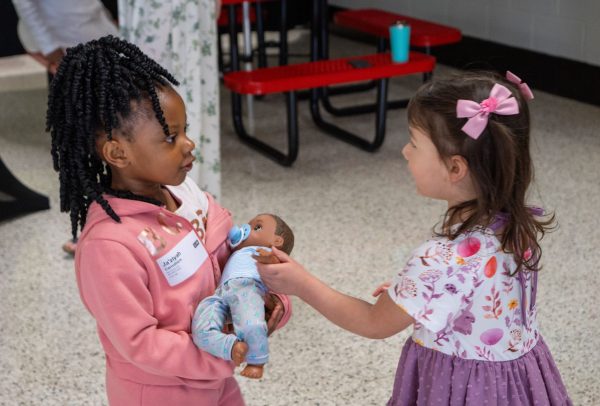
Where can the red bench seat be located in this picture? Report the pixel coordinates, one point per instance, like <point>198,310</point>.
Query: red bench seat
<point>324,73</point>
<point>377,22</point>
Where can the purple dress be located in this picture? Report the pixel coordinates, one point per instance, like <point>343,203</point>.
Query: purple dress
<point>475,339</point>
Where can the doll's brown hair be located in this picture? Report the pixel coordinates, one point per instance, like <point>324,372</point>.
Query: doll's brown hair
<point>285,232</point>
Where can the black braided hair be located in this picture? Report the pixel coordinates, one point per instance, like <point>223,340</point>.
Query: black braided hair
<point>92,92</point>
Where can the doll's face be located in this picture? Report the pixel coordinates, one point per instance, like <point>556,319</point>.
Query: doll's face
<point>262,233</point>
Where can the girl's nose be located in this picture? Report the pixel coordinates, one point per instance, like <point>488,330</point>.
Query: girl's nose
<point>188,144</point>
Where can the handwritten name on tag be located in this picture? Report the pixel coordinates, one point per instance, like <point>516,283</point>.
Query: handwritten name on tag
<point>183,260</point>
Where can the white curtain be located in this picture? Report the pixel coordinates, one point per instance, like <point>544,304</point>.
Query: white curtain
<point>181,35</point>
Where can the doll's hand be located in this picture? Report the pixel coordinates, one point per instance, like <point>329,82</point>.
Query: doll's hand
<point>273,312</point>
<point>381,288</point>
<point>265,257</point>
<point>288,277</point>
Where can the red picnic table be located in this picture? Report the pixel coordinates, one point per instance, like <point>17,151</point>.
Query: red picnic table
<point>315,76</point>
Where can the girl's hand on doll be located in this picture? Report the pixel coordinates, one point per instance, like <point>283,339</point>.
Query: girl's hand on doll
<point>273,312</point>
<point>287,277</point>
<point>381,288</point>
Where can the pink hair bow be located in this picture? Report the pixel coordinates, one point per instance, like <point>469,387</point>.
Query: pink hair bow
<point>523,87</point>
<point>500,102</point>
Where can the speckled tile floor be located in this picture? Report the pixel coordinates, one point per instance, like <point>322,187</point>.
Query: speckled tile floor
<point>336,198</point>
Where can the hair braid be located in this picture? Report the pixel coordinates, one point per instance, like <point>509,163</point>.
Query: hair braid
<point>142,70</point>
<point>92,92</point>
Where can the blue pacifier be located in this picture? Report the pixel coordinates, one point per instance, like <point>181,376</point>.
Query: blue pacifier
<point>237,234</point>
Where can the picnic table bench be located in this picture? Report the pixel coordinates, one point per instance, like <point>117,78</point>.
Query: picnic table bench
<point>315,76</point>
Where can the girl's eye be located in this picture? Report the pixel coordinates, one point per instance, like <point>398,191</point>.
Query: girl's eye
<point>171,138</point>
<point>257,227</point>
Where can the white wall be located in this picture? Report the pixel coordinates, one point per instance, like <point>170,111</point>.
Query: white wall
<point>565,28</point>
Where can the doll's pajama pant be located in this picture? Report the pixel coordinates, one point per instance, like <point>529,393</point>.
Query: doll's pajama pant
<point>244,298</point>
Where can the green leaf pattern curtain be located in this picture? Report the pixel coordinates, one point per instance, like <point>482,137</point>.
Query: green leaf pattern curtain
<point>181,35</point>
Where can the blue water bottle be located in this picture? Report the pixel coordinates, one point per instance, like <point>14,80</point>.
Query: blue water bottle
<point>400,41</point>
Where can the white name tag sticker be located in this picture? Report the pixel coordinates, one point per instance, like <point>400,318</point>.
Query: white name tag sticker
<point>183,260</point>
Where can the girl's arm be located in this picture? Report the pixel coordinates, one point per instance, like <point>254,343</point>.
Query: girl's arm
<point>279,309</point>
<point>113,286</point>
<point>380,320</point>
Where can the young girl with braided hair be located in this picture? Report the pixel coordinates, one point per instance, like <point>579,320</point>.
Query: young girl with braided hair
<point>469,291</point>
<point>152,244</point>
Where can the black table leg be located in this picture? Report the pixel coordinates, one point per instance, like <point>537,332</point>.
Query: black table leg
<point>380,120</point>
<point>262,147</point>
<point>260,35</point>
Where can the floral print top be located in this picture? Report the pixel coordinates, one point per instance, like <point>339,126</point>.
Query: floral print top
<point>463,299</point>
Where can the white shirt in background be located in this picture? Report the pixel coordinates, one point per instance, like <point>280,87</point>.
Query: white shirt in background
<point>46,25</point>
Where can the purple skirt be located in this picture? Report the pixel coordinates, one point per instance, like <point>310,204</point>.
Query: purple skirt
<point>429,377</point>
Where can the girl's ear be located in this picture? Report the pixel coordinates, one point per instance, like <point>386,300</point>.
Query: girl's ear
<point>114,154</point>
<point>458,168</point>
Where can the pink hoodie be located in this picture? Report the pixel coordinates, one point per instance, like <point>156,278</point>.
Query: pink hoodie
<point>143,323</point>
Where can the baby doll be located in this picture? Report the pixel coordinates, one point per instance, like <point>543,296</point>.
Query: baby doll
<point>241,293</point>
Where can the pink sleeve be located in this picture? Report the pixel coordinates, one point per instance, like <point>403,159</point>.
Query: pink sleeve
<point>217,239</point>
<point>112,284</point>
<point>287,310</point>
